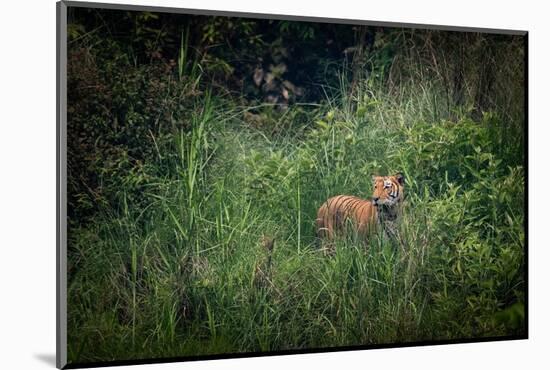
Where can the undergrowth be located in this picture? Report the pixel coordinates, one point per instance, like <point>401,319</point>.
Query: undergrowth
<point>174,261</point>
<point>173,270</point>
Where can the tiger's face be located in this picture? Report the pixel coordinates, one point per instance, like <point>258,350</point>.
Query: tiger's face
<point>388,190</point>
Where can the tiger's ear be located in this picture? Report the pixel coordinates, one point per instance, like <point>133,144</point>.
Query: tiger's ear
<point>374,179</point>
<point>400,178</point>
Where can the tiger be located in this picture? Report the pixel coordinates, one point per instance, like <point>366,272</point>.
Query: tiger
<point>363,215</point>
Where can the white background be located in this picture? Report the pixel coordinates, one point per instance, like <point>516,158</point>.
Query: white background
<point>27,182</point>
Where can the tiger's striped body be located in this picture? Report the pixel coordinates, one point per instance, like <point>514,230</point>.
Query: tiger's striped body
<point>338,211</point>
<point>361,215</point>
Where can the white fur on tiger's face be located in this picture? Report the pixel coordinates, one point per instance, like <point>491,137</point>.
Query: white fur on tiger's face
<point>388,190</point>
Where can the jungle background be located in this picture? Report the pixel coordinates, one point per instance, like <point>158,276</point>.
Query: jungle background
<point>200,148</point>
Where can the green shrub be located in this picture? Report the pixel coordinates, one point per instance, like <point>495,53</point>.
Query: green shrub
<point>178,174</point>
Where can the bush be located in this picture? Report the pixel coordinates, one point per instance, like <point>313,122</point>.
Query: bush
<point>179,174</point>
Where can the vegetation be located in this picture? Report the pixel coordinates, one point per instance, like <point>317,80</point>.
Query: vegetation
<point>200,149</point>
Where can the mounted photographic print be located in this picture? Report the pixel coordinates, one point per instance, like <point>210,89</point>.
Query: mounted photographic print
<point>235,185</point>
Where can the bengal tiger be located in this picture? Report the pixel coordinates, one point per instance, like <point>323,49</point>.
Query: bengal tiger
<point>363,215</point>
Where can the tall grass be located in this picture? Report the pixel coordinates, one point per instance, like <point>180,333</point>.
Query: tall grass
<point>185,271</point>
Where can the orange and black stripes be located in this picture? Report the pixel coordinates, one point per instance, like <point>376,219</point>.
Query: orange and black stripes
<point>336,212</point>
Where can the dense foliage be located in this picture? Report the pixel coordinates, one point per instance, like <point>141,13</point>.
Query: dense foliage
<point>193,140</point>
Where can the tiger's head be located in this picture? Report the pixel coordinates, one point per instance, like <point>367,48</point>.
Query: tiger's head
<point>388,190</point>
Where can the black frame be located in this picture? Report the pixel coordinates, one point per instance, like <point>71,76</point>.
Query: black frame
<point>61,176</point>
